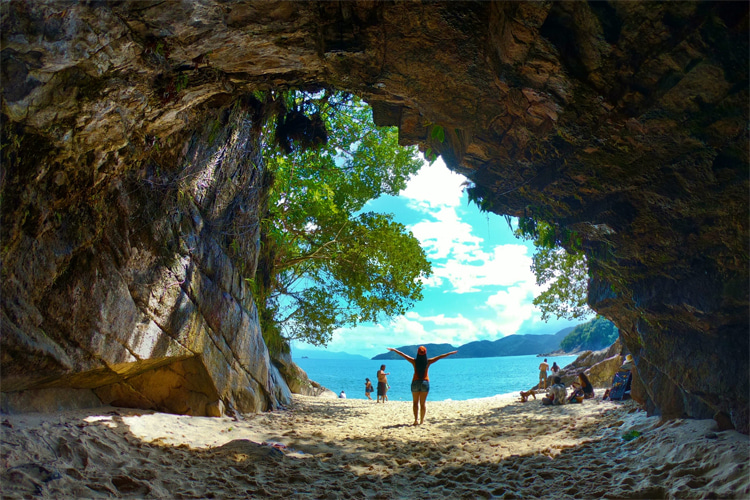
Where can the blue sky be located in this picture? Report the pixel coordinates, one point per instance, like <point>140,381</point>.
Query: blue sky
<point>482,286</point>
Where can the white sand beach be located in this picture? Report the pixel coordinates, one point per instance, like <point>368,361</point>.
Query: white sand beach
<point>338,448</point>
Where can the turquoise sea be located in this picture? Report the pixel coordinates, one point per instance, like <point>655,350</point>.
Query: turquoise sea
<point>450,378</point>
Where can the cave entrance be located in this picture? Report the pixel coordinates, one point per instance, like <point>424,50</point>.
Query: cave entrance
<point>481,287</point>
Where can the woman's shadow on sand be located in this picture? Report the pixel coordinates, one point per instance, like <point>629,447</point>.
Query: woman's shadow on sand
<point>398,426</point>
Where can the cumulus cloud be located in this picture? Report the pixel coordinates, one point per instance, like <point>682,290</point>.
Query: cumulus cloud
<point>513,306</point>
<point>444,329</point>
<point>434,186</point>
<point>506,265</point>
<point>374,338</point>
<point>446,236</point>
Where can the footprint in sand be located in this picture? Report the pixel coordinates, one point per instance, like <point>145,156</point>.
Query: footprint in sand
<point>129,486</point>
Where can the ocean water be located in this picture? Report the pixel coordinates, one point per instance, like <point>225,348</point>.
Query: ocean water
<point>450,378</point>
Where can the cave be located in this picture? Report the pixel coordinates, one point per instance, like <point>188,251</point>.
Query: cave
<point>130,162</point>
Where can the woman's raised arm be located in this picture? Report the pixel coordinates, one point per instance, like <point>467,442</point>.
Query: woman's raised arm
<point>432,360</point>
<point>406,357</point>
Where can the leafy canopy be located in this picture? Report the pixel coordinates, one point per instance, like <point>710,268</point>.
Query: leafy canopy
<point>328,264</point>
<point>559,262</point>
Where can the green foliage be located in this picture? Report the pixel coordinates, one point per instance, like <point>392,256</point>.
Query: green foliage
<point>597,334</point>
<point>327,263</point>
<point>548,236</point>
<point>558,262</point>
<point>630,435</point>
<point>181,83</point>
<point>437,133</point>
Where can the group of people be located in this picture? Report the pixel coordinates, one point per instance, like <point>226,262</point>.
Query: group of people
<point>581,389</point>
<point>557,394</point>
<point>382,386</point>
<point>543,367</point>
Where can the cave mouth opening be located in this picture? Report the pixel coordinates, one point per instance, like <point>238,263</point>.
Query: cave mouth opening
<point>470,249</point>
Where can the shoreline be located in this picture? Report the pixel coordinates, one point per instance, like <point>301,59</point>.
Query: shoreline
<point>494,447</point>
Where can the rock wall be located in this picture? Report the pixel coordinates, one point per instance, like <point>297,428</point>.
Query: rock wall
<point>135,285</point>
<point>623,121</point>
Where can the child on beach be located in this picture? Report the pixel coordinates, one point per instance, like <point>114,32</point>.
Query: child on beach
<point>368,388</point>
<point>584,386</point>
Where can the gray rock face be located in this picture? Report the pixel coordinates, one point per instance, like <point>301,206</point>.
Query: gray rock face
<point>625,122</point>
<point>152,311</point>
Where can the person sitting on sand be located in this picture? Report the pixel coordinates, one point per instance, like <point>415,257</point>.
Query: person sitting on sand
<point>582,389</point>
<point>525,395</point>
<point>420,382</point>
<point>586,386</point>
<point>577,395</point>
<point>556,395</point>
<point>368,388</point>
<point>382,384</point>
<point>543,367</point>
<point>628,364</point>
<point>342,395</point>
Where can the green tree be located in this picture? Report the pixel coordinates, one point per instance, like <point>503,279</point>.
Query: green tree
<point>558,262</point>
<point>594,335</point>
<point>326,263</point>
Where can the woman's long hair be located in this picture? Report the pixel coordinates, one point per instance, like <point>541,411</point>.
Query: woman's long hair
<point>420,365</point>
<point>585,383</point>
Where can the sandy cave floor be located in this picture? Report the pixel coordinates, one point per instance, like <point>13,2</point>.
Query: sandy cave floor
<point>332,448</point>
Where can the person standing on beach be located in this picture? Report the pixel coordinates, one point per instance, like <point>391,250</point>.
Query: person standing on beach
<point>382,384</point>
<point>420,383</point>
<point>543,367</point>
<point>368,388</point>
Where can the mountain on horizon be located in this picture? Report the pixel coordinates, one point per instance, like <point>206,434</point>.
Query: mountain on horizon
<point>314,354</point>
<point>411,350</point>
<point>512,345</point>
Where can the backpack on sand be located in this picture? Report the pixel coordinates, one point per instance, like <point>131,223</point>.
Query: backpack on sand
<point>620,385</point>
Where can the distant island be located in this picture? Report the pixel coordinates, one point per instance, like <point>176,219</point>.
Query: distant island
<point>320,354</point>
<point>592,335</point>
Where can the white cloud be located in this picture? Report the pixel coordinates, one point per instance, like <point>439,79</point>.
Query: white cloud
<point>507,265</point>
<point>512,307</point>
<point>446,236</point>
<point>434,186</point>
<point>442,329</point>
<point>373,339</point>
